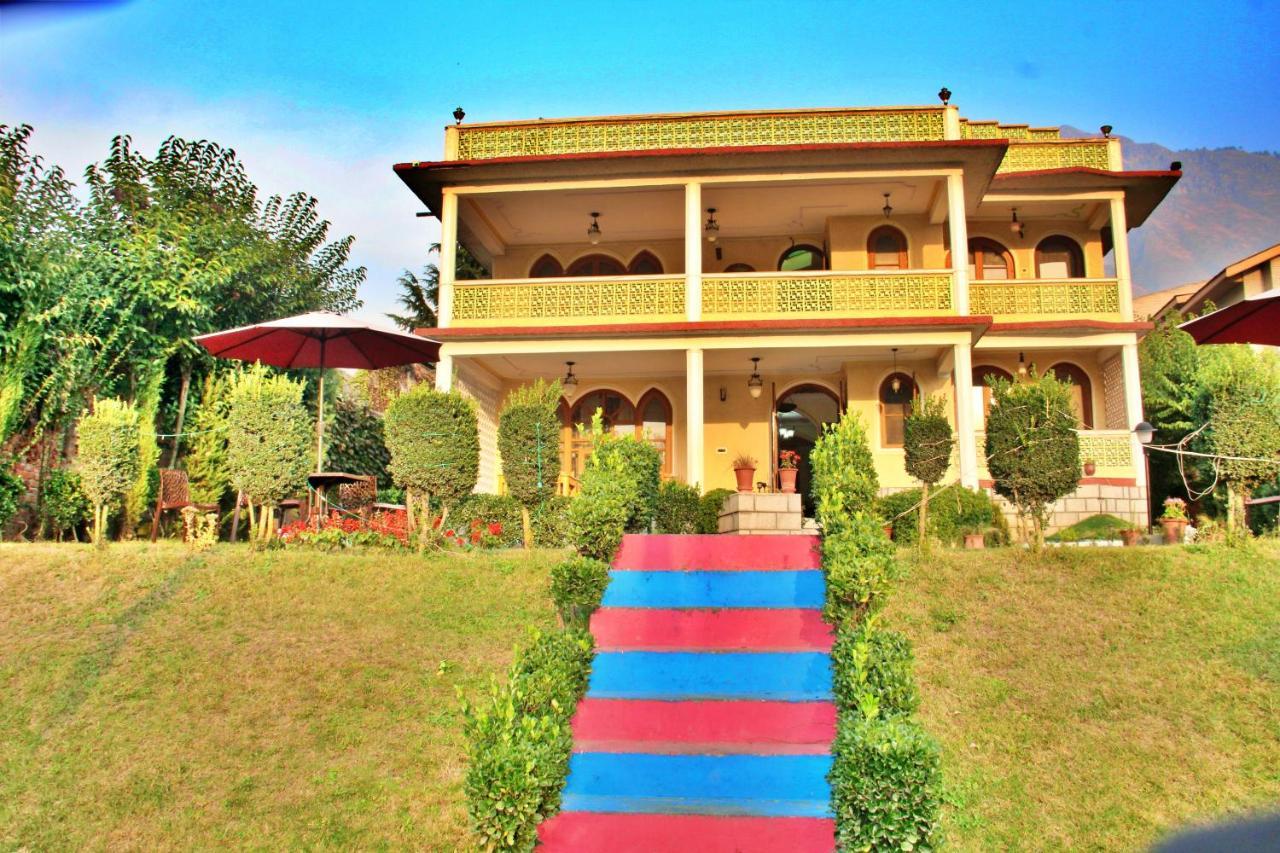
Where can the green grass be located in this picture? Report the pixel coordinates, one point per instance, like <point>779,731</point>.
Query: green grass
<point>150,699</point>
<point>1097,698</point>
<point>1101,526</point>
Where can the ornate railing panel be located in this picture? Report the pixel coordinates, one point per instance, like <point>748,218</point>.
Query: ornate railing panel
<point>825,293</point>
<point>1108,450</point>
<point>679,132</point>
<point>1034,155</point>
<point>1073,297</point>
<point>532,301</point>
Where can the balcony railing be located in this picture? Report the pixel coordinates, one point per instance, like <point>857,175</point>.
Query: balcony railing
<point>1033,155</point>
<point>818,294</point>
<point>531,302</point>
<point>1110,450</point>
<point>1065,297</point>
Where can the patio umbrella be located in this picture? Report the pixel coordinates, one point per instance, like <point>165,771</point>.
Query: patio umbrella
<point>321,339</point>
<point>1255,320</point>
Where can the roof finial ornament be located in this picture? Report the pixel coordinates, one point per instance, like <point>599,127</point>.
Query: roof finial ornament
<point>1106,130</point>
<point>458,115</point>
<point>945,94</point>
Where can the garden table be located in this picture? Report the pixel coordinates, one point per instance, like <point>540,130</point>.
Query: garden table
<point>321,482</point>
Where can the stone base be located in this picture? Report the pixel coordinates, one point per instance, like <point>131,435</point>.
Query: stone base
<point>748,512</point>
<point>1126,502</point>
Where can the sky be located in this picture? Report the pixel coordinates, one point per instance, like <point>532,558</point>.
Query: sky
<point>324,96</point>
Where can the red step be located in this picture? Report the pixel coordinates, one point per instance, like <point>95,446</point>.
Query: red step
<point>586,832</point>
<point>656,553</point>
<point>772,630</point>
<point>704,727</point>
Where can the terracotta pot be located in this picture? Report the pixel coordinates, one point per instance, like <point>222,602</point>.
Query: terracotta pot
<point>1090,469</point>
<point>746,479</point>
<point>1173,530</point>
<point>888,530</point>
<point>1131,537</point>
<point>974,542</point>
<point>787,479</point>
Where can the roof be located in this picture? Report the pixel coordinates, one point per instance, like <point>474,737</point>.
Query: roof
<point>1158,302</point>
<point>1225,278</point>
<point>1143,190</point>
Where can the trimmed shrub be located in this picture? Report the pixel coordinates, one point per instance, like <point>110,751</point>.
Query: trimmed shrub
<point>679,508</point>
<point>354,440</point>
<point>927,445</point>
<point>577,586</point>
<point>529,443</point>
<point>873,672</point>
<point>63,505</point>
<point>858,561</point>
<point>435,448</point>
<point>551,523</point>
<point>640,464</point>
<point>953,513</point>
<point>598,515</point>
<point>108,457</point>
<point>206,456</point>
<point>885,785</point>
<point>844,472</point>
<point>709,510</point>
<point>12,488</point>
<point>552,670</point>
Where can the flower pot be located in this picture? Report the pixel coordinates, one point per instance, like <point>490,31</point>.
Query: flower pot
<point>787,479</point>
<point>888,530</point>
<point>1173,530</point>
<point>1131,537</point>
<point>746,479</point>
<point>1090,469</point>
<point>974,541</point>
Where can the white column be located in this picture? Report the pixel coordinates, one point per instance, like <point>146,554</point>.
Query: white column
<point>950,122</point>
<point>693,253</point>
<point>693,424</point>
<point>1133,405</point>
<point>1120,246</point>
<point>966,429</point>
<point>448,257</point>
<point>959,231</point>
<point>444,373</point>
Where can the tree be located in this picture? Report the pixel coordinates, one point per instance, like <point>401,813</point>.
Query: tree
<point>927,445</point>
<point>1170,363</point>
<point>529,442</point>
<point>108,457</point>
<point>420,295</point>
<point>355,440</point>
<point>434,442</point>
<point>1033,450</point>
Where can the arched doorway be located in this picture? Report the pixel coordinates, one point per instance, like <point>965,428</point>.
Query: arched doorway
<point>800,414</point>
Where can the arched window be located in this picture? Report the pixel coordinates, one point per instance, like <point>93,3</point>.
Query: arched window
<point>739,268</point>
<point>546,267</point>
<point>1059,257</point>
<point>802,257</point>
<point>989,260</point>
<point>617,415</point>
<point>886,249</point>
<point>982,378</point>
<point>589,265</point>
<point>1081,391</point>
<point>654,423</point>
<point>645,263</point>
<point>895,405</point>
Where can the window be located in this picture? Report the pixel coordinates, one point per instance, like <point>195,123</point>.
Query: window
<point>546,267</point>
<point>589,265</point>
<point>1081,391</point>
<point>894,407</point>
<point>988,260</point>
<point>886,249</point>
<point>1059,257</point>
<point>802,257</point>
<point>651,420</point>
<point>645,263</point>
<point>739,268</point>
<point>982,378</point>
<point>655,424</point>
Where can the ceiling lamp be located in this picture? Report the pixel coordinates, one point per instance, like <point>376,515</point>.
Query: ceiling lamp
<point>712,228</point>
<point>1022,364</point>
<point>896,382</point>
<point>570,382</point>
<point>755,385</point>
<point>888,208</point>
<point>1014,225</point>
<point>593,233</point>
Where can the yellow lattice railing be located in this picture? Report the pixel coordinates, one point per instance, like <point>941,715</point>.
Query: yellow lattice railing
<point>565,300</point>
<point>1074,297</point>
<point>1035,154</point>
<point>1106,449</point>
<point>823,293</point>
<point>485,142</point>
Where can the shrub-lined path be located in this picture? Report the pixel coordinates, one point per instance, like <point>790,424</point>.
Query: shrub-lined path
<point>708,721</point>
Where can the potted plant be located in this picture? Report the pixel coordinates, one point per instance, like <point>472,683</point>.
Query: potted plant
<point>744,468</point>
<point>1131,536</point>
<point>1174,520</point>
<point>1090,467</point>
<point>788,467</point>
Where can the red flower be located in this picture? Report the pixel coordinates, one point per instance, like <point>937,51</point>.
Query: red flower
<point>449,534</point>
<point>475,537</point>
<point>495,529</point>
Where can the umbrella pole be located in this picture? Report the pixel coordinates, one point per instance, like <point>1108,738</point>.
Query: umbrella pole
<point>320,431</point>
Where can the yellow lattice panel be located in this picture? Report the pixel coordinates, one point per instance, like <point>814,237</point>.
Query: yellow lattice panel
<point>1040,134</point>
<point>1107,451</point>
<point>566,301</point>
<point>1073,298</point>
<point>1035,155</point>
<point>980,130</point>
<point>547,138</point>
<point>825,294</point>
<point>1014,131</point>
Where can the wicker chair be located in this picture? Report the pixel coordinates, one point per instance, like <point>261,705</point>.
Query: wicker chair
<point>175,494</point>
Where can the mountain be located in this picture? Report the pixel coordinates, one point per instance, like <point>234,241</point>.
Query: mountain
<point>1226,207</point>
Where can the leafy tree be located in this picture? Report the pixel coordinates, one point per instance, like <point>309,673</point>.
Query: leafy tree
<point>1170,363</point>
<point>927,445</point>
<point>12,488</point>
<point>355,440</point>
<point>420,295</point>
<point>435,448</point>
<point>529,443</point>
<point>1033,450</point>
<point>108,457</point>
<point>63,505</point>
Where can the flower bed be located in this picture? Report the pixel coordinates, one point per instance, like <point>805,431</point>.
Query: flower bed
<point>389,530</point>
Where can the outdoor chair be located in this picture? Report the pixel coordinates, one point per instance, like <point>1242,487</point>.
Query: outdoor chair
<point>360,498</point>
<point>175,494</point>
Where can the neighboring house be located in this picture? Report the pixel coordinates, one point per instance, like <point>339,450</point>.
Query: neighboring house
<point>1258,273</point>
<point>727,283</point>
<point>1154,304</point>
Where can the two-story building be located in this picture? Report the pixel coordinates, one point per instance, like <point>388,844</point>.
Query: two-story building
<point>726,283</point>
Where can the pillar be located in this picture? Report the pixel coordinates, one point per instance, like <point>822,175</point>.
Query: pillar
<point>1120,246</point>
<point>1133,412</point>
<point>966,429</point>
<point>448,257</point>
<point>959,234</point>
<point>693,253</point>
<point>444,373</point>
<point>693,429</point>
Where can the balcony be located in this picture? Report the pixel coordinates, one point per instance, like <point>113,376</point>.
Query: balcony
<point>1034,155</point>
<point>1047,298</point>
<point>569,301</point>
<point>1111,450</point>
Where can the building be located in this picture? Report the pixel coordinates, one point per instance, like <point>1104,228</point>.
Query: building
<point>725,283</point>
<point>1258,273</point>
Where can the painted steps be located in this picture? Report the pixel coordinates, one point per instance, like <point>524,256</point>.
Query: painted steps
<point>708,719</point>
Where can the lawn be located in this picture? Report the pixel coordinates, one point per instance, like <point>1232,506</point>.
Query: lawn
<point>154,700</point>
<point>1097,698</point>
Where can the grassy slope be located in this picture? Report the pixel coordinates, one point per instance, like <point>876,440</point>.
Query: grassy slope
<point>1098,698</point>
<point>150,700</point>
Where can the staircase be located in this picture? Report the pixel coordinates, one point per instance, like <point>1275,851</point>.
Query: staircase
<point>708,721</point>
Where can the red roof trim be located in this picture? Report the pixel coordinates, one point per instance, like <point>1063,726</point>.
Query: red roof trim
<point>1104,325</point>
<point>1089,170</point>
<point>708,326</point>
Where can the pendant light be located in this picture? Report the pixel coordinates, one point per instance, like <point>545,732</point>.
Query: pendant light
<point>755,385</point>
<point>888,208</point>
<point>593,232</point>
<point>570,382</point>
<point>712,228</point>
<point>1014,225</point>
<point>896,382</point>
<point>1022,364</point>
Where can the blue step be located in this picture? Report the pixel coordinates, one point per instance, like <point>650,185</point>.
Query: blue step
<point>777,676</point>
<point>767,785</point>
<point>800,589</point>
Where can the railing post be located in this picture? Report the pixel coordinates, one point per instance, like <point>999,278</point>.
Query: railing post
<point>1120,245</point>
<point>448,256</point>
<point>693,425</point>
<point>693,252</point>
<point>966,433</point>
<point>959,232</point>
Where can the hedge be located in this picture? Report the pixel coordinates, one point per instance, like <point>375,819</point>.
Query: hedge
<point>953,512</point>
<point>679,508</point>
<point>873,672</point>
<point>577,587</point>
<point>435,448</point>
<point>529,443</point>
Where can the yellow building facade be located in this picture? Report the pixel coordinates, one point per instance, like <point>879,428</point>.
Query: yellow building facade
<point>725,283</point>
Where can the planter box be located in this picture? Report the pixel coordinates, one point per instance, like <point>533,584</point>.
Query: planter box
<point>745,512</point>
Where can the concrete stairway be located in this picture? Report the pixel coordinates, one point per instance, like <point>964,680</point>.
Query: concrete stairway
<point>708,721</point>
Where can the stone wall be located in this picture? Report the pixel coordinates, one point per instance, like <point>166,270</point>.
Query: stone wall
<point>1123,501</point>
<point>747,512</point>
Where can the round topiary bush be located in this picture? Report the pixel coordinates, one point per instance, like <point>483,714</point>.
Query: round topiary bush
<point>529,442</point>
<point>577,587</point>
<point>108,457</point>
<point>435,449</point>
<point>927,445</point>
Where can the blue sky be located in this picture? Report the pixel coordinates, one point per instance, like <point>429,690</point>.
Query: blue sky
<point>325,96</point>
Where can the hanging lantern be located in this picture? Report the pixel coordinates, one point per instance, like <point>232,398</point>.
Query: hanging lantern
<point>896,382</point>
<point>593,232</point>
<point>712,228</point>
<point>570,382</point>
<point>888,208</point>
<point>755,385</point>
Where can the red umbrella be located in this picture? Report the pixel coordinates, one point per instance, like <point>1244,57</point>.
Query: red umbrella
<point>321,339</point>
<point>1255,320</point>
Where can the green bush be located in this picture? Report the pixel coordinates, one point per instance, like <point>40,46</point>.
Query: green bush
<point>577,586</point>
<point>551,523</point>
<point>435,447</point>
<point>206,457</point>
<point>859,565</point>
<point>709,510</point>
<point>885,785</point>
<point>844,472</point>
<point>108,457</point>
<point>679,508</point>
<point>598,515</point>
<point>873,672</point>
<point>639,463</point>
<point>953,513</point>
<point>529,443</point>
<point>12,488</point>
<point>354,440</point>
<point>927,445</point>
<point>552,670</point>
<point>63,505</point>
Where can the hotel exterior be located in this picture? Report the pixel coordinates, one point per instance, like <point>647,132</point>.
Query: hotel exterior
<point>725,283</point>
